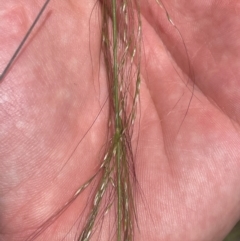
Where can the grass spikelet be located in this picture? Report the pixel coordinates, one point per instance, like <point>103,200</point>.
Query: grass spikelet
<point>121,47</point>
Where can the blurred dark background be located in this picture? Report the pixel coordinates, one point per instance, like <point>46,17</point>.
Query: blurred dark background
<point>234,235</point>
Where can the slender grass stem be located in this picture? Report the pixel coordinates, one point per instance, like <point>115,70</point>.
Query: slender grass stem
<point>117,118</point>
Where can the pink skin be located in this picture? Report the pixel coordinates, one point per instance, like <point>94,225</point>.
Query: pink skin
<point>187,163</point>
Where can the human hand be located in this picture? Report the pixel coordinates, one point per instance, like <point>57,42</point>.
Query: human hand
<point>54,125</point>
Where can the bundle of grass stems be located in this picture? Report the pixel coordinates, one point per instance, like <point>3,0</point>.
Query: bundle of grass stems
<point>121,44</point>
<point>120,40</point>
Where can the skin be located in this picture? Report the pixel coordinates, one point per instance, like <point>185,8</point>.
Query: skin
<point>188,155</point>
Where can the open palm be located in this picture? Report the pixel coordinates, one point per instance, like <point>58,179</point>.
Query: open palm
<point>54,119</point>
